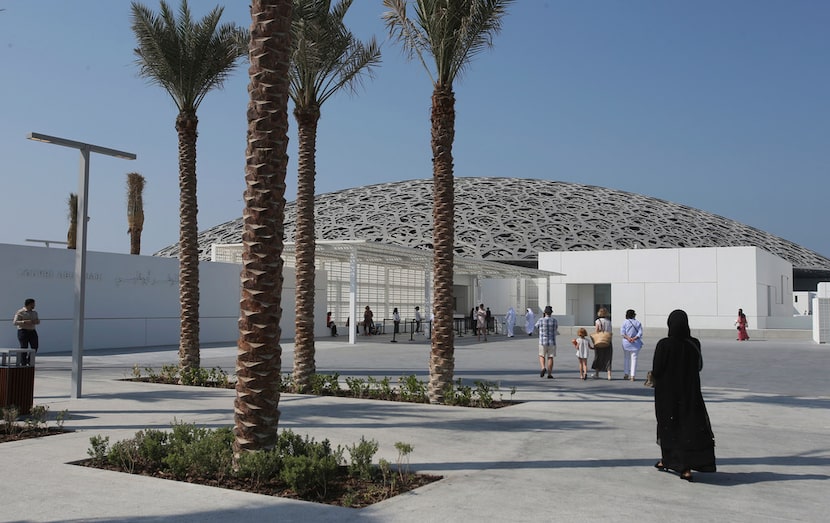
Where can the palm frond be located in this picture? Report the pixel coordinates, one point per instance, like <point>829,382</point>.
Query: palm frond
<point>326,56</point>
<point>186,58</point>
<point>414,41</point>
<point>451,31</point>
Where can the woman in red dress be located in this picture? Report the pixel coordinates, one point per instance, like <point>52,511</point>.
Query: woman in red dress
<point>742,324</point>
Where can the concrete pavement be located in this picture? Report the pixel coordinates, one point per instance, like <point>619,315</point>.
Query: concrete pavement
<point>572,451</point>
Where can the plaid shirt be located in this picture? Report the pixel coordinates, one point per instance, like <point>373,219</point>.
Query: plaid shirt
<point>548,329</point>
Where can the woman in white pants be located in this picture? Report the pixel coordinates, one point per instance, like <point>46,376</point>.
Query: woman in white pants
<point>632,334</point>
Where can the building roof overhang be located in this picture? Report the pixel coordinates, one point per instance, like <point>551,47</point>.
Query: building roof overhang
<point>371,252</point>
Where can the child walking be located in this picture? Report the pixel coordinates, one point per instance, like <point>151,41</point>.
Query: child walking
<point>583,344</point>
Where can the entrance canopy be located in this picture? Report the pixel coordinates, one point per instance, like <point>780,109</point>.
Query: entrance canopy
<point>379,275</point>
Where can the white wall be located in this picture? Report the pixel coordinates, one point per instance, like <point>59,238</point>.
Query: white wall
<point>131,301</point>
<point>803,303</point>
<point>710,284</point>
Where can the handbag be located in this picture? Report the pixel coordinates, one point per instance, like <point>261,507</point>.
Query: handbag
<point>602,340</point>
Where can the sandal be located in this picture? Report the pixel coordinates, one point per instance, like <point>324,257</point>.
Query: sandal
<point>659,465</point>
<point>687,475</point>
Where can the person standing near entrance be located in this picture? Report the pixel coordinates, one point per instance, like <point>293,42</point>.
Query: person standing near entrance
<point>548,329</point>
<point>396,320</point>
<point>481,322</point>
<point>418,319</point>
<point>510,319</point>
<point>26,321</point>
<point>602,356</point>
<point>368,321</point>
<point>530,321</point>
<point>632,334</point>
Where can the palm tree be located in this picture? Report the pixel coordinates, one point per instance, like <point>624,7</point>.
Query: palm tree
<point>326,57</point>
<point>72,214</point>
<point>256,413</point>
<point>135,210</point>
<point>451,32</point>
<point>187,59</point>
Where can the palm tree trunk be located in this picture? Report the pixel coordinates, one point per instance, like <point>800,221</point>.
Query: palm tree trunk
<point>442,356</point>
<point>72,233</point>
<point>135,210</point>
<point>186,124</point>
<point>304,240</point>
<point>256,412</point>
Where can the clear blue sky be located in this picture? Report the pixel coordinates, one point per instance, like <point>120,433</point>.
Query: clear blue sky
<point>722,105</point>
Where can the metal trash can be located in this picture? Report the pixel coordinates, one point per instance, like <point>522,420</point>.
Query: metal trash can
<point>17,379</point>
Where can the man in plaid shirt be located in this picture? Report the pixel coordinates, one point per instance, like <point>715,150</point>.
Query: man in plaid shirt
<point>548,328</point>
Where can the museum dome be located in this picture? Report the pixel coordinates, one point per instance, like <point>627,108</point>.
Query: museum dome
<point>511,220</point>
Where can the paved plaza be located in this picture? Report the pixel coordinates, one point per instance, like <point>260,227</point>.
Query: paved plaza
<point>572,451</point>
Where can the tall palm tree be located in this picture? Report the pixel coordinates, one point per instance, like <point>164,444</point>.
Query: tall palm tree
<point>451,32</point>
<point>326,57</point>
<point>135,210</point>
<point>187,59</point>
<point>256,412</point>
<point>72,214</point>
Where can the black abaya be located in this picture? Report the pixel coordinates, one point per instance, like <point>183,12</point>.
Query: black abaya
<point>683,429</point>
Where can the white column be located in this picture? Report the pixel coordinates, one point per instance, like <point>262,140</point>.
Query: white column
<point>80,277</point>
<point>352,295</point>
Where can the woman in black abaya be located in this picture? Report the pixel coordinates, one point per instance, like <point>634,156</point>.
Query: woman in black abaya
<point>683,430</point>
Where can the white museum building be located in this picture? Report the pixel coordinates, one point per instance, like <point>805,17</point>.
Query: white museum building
<point>132,301</point>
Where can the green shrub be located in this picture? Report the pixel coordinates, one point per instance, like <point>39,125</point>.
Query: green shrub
<point>361,458</point>
<point>307,466</point>
<point>325,384</point>
<point>291,444</point>
<point>169,373</point>
<point>484,393</point>
<point>124,455</point>
<point>381,389</point>
<point>404,450</point>
<point>413,389</point>
<point>10,415</point>
<point>98,449</point>
<point>260,467</point>
<point>61,418</point>
<point>308,475</point>
<point>152,447</point>
<point>358,387</point>
<point>458,394</point>
<point>37,417</point>
<point>199,451</point>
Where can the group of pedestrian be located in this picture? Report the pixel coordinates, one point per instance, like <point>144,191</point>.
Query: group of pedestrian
<point>369,326</point>
<point>684,432</point>
<point>602,346</point>
<point>487,324</point>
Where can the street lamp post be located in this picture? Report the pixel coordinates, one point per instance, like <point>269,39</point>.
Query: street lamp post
<point>80,251</point>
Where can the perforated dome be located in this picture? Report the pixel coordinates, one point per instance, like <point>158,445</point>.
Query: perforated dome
<point>513,219</point>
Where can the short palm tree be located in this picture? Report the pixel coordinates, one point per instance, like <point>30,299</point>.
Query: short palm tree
<point>450,32</point>
<point>72,214</point>
<point>135,210</point>
<point>187,59</point>
<point>256,412</point>
<point>326,57</point>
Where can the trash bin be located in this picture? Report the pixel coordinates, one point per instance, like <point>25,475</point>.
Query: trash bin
<point>17,379</point>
